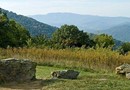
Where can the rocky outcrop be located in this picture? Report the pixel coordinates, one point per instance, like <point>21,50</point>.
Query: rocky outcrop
<point>124,70</point>
<point>65,74</point>
<point>17,70</point>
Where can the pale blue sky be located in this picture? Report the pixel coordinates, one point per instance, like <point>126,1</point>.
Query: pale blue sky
<point>91,7</point>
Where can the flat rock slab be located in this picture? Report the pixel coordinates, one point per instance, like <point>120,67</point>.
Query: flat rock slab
<point>65,74</point>
<point>17,70</point>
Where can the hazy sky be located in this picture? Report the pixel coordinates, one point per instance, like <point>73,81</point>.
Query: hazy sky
<point>91,7</point>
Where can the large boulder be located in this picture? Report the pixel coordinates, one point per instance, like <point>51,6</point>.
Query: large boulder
<point>65,74</point>
<point>17,70</point>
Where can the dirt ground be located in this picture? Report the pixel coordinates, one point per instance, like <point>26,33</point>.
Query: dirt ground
<point>34,85</point>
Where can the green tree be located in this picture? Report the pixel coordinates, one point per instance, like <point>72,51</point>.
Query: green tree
<point>3,19</point>
<point>19,32</point>
<point>69,35</point>
<point>104,40</point>
<point>125,47</point>
<point>11,33</point>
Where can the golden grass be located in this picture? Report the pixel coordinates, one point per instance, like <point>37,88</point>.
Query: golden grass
<point>99,59</point>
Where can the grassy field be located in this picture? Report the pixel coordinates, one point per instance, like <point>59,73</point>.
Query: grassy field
<point>100,59</point>
<point>96,67</point>
<point>85,81</point>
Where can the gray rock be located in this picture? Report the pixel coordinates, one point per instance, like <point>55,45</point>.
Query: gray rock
<point>17,70</point>
<point>128,75</point>
<point>65,74</point>
<point>123,69</point>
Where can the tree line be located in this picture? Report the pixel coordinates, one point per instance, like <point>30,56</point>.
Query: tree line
<point>69,36</point>
<point>13,34</point>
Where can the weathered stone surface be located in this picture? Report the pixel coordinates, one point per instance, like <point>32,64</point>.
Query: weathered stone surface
<point>123,69</point>
<point>128,75</point>
<point>17,70</point>
<point>66,74</point>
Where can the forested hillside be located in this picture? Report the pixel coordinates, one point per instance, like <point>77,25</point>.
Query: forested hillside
<point>33,26</point>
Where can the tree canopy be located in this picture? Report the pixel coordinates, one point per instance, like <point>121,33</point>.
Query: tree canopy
<point>125,47</point>
<point>11,33</point>
<point>69,35</point>
<point>104,40</point>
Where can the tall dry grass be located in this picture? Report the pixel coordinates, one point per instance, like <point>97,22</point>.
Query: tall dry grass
<point>99,59</point>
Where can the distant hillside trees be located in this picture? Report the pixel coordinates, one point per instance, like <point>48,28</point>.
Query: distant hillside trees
<point>11,33</point>
<point>70,36</point>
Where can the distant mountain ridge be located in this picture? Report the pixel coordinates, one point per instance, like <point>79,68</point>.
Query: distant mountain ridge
<point>33,26</point>
<point>120,32</point>
<point>90,23</point>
